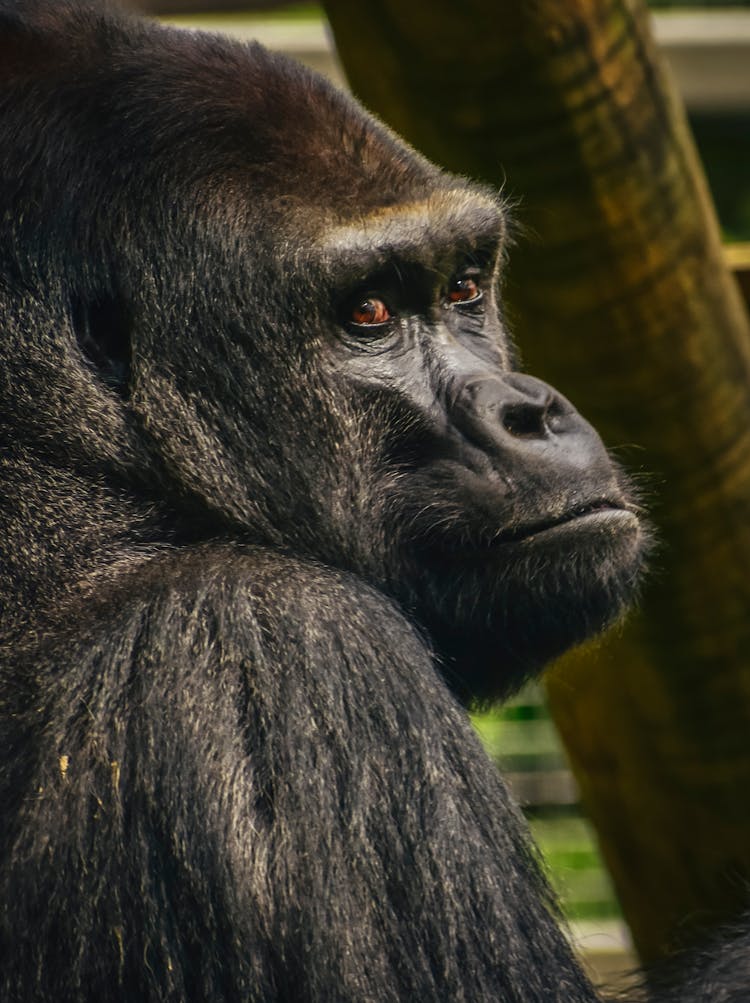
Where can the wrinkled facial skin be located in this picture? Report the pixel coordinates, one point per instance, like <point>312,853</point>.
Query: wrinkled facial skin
<point>297,345</point>
<point>513,535</point>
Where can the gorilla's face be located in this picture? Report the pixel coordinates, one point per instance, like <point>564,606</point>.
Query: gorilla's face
<point>288,327</point>
<point>508,530</point>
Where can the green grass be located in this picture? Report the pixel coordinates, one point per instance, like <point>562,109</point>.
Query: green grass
<point>521,737</point>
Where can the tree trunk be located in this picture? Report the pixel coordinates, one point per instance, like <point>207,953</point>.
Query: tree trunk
<point>621,297</point>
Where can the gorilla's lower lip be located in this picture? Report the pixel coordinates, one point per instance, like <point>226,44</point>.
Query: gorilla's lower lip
<point>605,513</point>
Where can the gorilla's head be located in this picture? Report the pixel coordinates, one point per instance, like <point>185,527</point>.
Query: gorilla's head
<point>271,320</point>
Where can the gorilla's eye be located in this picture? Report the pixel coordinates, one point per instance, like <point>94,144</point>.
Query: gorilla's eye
<point>464,289</point>
<point>370,312</point>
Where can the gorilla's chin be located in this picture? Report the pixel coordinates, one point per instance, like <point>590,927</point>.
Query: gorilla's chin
<point>518,605</point>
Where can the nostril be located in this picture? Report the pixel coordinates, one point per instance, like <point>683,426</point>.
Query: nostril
<point>525,419</point>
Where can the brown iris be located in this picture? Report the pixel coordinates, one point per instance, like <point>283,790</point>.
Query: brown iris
<point>463,289</point>
<point>371,311</point>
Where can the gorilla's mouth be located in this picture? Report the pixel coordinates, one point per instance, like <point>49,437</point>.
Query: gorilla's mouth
<point>602,512</point>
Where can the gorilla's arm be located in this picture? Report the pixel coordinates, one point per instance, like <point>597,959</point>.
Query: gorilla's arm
<point>249,762</point>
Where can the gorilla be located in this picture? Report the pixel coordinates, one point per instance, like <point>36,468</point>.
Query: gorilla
<point>275,504</point>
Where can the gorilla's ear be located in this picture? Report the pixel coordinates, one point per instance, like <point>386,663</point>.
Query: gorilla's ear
<point>102,329</point>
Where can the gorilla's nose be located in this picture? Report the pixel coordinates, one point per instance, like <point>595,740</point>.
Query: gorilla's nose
<point>519,405</point>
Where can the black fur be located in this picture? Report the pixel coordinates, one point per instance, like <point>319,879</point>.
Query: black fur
<point>245,541</point>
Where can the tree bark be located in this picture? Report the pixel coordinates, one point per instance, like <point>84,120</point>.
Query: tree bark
<point>621,297</point>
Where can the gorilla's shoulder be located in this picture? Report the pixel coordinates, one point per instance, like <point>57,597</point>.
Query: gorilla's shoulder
<point>223,605</point>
